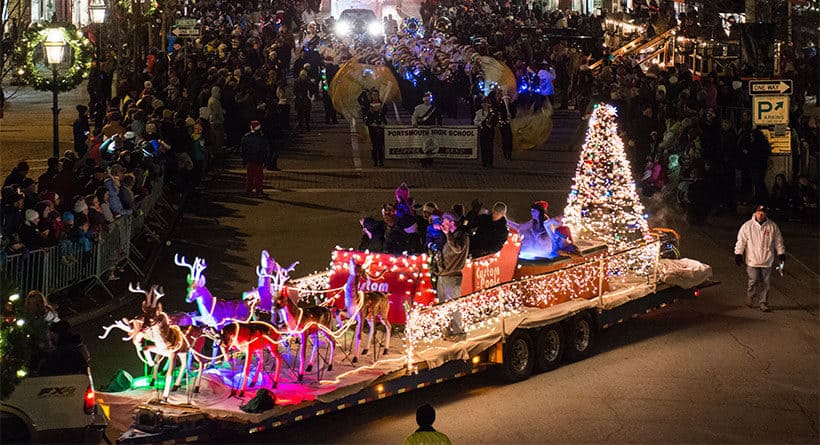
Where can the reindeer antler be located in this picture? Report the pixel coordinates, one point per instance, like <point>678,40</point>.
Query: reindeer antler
<point>183,263</point>
<point>124,325</point>
<point>199,267</point>
<point>136,290</point>
<point>154,295</point>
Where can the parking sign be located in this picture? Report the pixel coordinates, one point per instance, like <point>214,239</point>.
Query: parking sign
<point>770,110</point>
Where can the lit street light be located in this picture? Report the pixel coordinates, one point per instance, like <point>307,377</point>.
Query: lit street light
<point>97,11</point>
<point>54,46</point>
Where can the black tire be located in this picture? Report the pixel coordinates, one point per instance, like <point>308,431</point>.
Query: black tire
<point>549,347</point>
<point>581,337</point>
<point>519,356</point>
<point>13,430</point>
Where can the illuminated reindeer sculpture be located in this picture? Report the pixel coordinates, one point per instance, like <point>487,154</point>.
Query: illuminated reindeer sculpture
<point>272,279</point>
<point>364,306</point>
<point>251,338</point>
<point>212,311</point>
<point>169,340</point>
<point>304,321</point>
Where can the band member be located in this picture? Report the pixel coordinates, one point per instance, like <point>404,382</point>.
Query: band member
<point>375,118</point>
<point>426,114</point>
<point>486,120</point>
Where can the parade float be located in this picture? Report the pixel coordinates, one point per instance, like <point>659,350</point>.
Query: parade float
<point>242,365</point>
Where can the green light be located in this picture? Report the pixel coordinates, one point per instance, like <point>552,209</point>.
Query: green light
<point>141,382</point>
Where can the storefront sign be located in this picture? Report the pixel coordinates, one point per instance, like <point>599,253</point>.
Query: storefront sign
<point>451,142</point>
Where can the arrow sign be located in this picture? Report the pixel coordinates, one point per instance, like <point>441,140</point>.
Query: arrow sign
<point>770,87</point>
<point>185,32</point>
<point>770,110</point>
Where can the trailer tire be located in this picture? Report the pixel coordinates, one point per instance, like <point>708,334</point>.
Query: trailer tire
<point>13,430</point>
<point>549,347</point>
<point>581,337</point>
<point>519,356</point>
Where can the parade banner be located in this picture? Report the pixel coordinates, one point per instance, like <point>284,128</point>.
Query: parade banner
<point>448,142</point>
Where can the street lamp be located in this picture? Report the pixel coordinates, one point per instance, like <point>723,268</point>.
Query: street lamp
<point>97,10</point>
<point>54,46</point>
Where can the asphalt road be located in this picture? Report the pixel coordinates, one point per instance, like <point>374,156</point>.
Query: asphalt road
<point>703,370</point>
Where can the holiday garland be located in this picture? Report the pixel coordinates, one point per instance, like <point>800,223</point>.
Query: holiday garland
<point>82,49</point>
<point>15,338</point>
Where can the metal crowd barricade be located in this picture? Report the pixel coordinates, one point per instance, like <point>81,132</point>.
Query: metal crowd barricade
<point>59,267</point>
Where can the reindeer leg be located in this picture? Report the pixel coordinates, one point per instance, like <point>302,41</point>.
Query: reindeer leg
<point>387,329</point>
<point>200,371</point>
<point>302,340</point>
<point>332,342</point>
<point>371,323</point>
<point>183,359</point>
<point>245,370</point>
<point>315,336</point>
<point>260,364</point>
<point>157,365</point>
<point>169,376</point>
<point>278,358</point>
<point>357,337</point>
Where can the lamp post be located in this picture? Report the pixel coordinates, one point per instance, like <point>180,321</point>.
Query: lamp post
<point>97,10</point>
<point>54,46</point>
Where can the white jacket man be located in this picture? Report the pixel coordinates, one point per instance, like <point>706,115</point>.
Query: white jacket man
<point>759,240</point>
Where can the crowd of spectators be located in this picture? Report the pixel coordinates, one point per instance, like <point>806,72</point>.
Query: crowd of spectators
<point>71,204</point>
<point>694,136</point>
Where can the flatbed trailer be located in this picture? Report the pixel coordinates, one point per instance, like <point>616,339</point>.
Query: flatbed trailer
<point>525,331</point>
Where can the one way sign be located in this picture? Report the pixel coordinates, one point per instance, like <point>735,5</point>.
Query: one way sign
<point>770,87</point>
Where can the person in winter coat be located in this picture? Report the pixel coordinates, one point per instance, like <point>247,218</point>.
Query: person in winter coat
<point>81,130</point>
<point>372,235</point>
<point>112,183</point>
<point>759,240</point>
<point>254,148</point>
<point>453,258</point>
<point>216,118</point>
<point>30,233</point>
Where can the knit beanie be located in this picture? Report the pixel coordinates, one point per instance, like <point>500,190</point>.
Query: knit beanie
<point>80,206</point>
<point>32,215</point>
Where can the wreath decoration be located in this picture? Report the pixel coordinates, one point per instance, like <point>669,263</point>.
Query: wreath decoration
<point>83,51</point>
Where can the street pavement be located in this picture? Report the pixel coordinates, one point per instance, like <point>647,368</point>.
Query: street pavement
<point>707,370</point>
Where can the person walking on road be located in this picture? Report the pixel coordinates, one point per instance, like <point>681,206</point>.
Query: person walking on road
<point>375,118</point>
<point>426,434</point>
<point>759,239</point>
<point>254,148</point>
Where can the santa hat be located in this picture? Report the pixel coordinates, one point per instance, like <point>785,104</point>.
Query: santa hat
<point>540,205</point>
<point>255,125</point>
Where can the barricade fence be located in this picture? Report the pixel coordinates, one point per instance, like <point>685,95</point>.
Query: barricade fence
<point>66,264</point>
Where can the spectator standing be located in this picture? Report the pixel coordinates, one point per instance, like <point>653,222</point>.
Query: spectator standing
<point>81,130</point>
<point>216,117</point>
<point>426,434</point>
<point>302,90</point>
<point>490,231</point>
<point>758,241</point>
<point>17,175</point>
<point>453,258</point>
<point>44,181</point>
<point>254,148</point>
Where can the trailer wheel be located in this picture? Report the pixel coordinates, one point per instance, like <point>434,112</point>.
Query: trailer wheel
<point>549,347</point>
<point>581,337</point>
<point>13,430</point>
<point>519,357</point>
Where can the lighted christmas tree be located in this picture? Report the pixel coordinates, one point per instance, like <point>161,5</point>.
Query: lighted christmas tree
<point>15,350</point>
<point>603,203</point>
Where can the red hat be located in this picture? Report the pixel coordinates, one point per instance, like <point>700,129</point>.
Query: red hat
<point>543,205</point>
<point>255,125</point>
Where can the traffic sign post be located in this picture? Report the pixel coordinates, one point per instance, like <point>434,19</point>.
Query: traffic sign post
<point>186,27</point>
<point>770,110</point>
<point>770,87</point>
